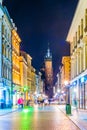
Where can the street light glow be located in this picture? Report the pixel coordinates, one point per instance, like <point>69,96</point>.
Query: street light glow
<point>65,82</point>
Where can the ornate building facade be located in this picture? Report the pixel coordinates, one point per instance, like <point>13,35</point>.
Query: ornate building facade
<point>77,37</point>
<point>23,74</point>
<point>33,80</point>
<point>29,61</point>
<point>66,70</point>
<point>16,65</point>
<point>5,58</point>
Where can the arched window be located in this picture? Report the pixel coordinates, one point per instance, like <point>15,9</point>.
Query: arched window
<point>81,29</point>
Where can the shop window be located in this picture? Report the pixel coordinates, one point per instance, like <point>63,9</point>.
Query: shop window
<point>86,95</point>
<point>81,36</point>
<point>3,49</point>
<point>3,29</point>
<point>75,39</point>
<point>85,29</point>
<point>6,33</point>
<point>86,56</point>
<point>73,45</point>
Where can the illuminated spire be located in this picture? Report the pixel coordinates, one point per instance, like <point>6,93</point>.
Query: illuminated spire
<point>48,51</point>
<point>48,54</point>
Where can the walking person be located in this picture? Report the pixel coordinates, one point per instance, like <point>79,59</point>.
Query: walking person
<point>20,102</point>
<point>28,102</point>
<point>75,104</point>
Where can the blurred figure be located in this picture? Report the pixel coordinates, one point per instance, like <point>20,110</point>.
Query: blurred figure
<point>20,102</point>
<point>2,103</point>
<point>42,102</point>
<point>46,102</point>
<point>28,102</point>
<point>75,103</point>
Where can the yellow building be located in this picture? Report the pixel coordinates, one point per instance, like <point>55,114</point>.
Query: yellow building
<point>66,70</point>
<point>33,80</point>
<point>77,37</point>
<point>65,77</point>
<point>23,74</point>
<point>29,59</point>
<point>15,65</point>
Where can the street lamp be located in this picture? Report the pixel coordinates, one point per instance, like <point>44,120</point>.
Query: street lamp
<point>25,93</point>
<point>66,83</point>
<point>25,88</point>
<point>58,90</point>
<point>68,106</point>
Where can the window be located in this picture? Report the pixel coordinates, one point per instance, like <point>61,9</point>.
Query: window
<point>85,21</point>
<point>3,29</point>
<point>81,29</point>
<point>78,33</point>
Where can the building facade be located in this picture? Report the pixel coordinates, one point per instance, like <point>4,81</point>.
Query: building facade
<point>17,76</point>
<point>59,80</point>
<point>77,37</point>
<point>33,80</point>
<point>23,75</point>
<point>29,60</point>
<point>5,58</point>
<point>16,65</point>
<point>39,83</point>
<point>66,70</point>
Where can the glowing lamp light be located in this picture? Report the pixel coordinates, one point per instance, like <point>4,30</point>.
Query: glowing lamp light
<point>58,90</point>
<point>25,110</point>
<point>25,89</point>
<point>82,79</point>
<point>66,82</point>
<point>64,94</point>
<point>74,83</point>
<point>75,90</point>
<point>62,91</point>
<point>35,93</point>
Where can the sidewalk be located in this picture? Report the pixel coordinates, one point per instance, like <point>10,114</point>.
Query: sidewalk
<point>7,110</point>
<point>78,117</point>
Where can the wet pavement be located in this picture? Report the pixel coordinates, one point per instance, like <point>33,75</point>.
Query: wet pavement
<point>7,111</point>
<point>79,117</point>
<point>37,118</point>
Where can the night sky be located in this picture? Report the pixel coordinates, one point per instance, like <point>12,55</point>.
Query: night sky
<point>42,21</point>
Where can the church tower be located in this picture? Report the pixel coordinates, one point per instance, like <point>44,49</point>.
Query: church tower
<point>48,73</point>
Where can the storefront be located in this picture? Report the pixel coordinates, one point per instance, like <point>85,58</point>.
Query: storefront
<point>78,90</point>
<point>5,101</point>
<point>83,93</point>
<point>16,94</point>
<point>74,93</point>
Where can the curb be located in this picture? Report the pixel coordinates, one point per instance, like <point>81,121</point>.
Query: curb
<point>8,112</point>
<point>74,121</point>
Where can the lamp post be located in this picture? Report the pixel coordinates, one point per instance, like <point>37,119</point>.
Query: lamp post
<point>25,93</point>
<point>68,94</point>
<point>68,106</point>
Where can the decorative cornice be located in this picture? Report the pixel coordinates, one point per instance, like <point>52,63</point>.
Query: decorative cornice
<point>79,14</point>
<point>84,39</point>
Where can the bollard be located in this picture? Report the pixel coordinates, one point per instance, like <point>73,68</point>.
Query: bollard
<point>68,109</point>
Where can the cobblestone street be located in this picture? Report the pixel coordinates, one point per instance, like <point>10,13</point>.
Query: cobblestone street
<point>37,118</point>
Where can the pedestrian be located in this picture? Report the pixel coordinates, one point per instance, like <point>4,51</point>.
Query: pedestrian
<point>28,102</point>
<point>20,102</point>
<point>2,102</point>
<point>75,104</point>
